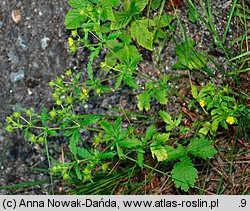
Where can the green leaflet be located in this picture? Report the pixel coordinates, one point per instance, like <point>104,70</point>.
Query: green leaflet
<point>74,18</point>
<point>74,141</point>
<point>184,174</point>
<point>121,20</point>
<point>140,33</point>
<point>201,147</point>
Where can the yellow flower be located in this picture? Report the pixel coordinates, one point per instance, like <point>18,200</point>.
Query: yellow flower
<point>230,120</point>
<point>202,103</point>
<point>70,41</point>
<point>85,91</point>
<point>81,11</point>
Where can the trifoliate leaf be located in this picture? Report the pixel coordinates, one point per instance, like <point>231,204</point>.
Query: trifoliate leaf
<point>144,101</point>
<point>184,174</point>
<point>202,148</point>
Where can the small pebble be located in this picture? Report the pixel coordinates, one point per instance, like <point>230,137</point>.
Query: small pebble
<point>18,76</point>
<point>16,16</point>
<point>44,43</point>
<point>1,24</point>
<point>22,43</point>
<point>13,57</point>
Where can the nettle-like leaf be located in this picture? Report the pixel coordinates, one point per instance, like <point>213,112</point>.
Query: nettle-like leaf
<point>74,18</point>
<point>79,3</point>
<point>114,3</point>
<point>201,147</point>
<point>175,153</point>
<point>188,57</point>
<point>184,173</point>
<point>107,11</point>
<point>137,6</point>
<point>141,34</point>
<point>121,20</point>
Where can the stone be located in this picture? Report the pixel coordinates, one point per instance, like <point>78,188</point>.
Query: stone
<point>17,76</point>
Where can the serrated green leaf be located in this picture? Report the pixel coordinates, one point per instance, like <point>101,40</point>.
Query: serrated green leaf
<point>166,117</point>
<point>129,80</point>
<point>175,153</point>
<point>159,152</point>
<point>130,143</point>
<point>90,120</point>
<point>107,155</point>
<point>121,20</point>
<point>74,19</point>
<point>138,6</point>
<point>120,152</point>
<point>107,12</point>
<point>178,121</point>
<point>78,3</point>
<point>215,124</point>
<point>202,148</point>
<point>83,153</point>
<point>161,137</point>
<point>74,141</point>
<point>184,174</point>
<point>52,133</point>
<point>141,34</point>
<point>118,81</point>
<point>144,101</point>
<point>44,116</point>
<point>194,91</point>
<point>117,124</point>
<point>114,3</point>
<point>140,158</point>
<point>78,172</point>
<point>107,126</point>
<point>150,132</point>
<point>156,4</point>
<point>160,96</point>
